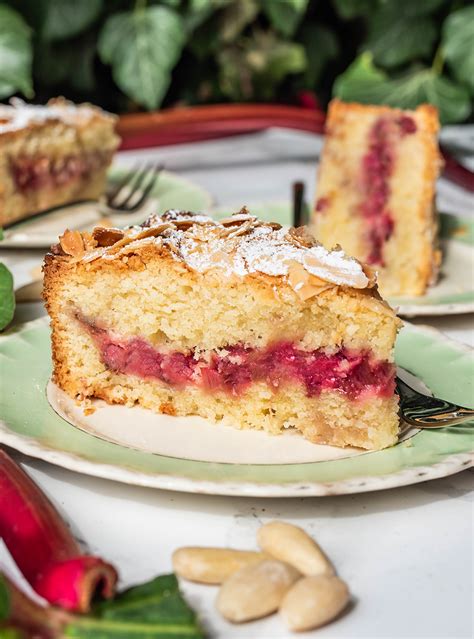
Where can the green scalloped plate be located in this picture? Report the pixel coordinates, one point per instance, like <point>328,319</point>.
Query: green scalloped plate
<point>454,292</point>
<point>29,424</point>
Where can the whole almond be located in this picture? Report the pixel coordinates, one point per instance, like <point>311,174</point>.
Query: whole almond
<point>292,544</point>
<point>211,565</point>
<point>313,602</point>
<point>256,590</point>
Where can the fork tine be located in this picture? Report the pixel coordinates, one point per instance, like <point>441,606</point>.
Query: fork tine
<point>134,187</point>
<point>148,188</point>
<point>128,177</point>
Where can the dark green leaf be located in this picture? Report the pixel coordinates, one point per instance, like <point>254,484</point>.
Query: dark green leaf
<point>396,37</point>
<point>363,82</point>
<point>155,610</point>
<point>143,46</point>
<point>15,54</point>
<point>349,9</point>
<point>70,63</point>
<point>321,46</point>
<point>67,18</point>
<point>458,44</point>
<point>7,297</point>
<point>285,15</point>
<point>4,596</point>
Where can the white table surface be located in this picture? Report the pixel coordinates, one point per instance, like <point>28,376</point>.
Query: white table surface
<point>406,553</point>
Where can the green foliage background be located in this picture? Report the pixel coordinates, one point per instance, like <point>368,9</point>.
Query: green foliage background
<point>132,54</point>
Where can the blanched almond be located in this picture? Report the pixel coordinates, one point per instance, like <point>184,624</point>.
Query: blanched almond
<point>292,544</point>
<point>313,602</point>
<point>211,565</point>
<point>256,590</point>
<point>72,243</point>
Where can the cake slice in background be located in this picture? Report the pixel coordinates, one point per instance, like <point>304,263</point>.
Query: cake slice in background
<point>52,155</point>
<point>376,192</point>
<point>239,321</point>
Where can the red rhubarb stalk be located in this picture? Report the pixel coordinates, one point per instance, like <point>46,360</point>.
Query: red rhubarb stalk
<point>43,547</point>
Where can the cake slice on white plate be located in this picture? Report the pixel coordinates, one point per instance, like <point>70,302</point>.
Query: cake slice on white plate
<point>239,321</point>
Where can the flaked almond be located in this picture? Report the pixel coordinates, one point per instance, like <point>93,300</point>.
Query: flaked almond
<point>72,243</point>
<point>237,219</point>
<point>301,237</point>
<point>107,236</point>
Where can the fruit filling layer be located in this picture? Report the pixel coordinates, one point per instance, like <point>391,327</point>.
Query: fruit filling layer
<point>377,168</point>
<point>40,172</point>
<point>234,368</point>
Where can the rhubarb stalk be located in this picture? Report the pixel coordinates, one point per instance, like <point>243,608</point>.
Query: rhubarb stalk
<point>43,547</point>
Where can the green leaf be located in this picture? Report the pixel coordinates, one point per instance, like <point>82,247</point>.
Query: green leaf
<point>285,15</point>
<point>396,36</point>
<point>67,18</point>
<point>4,597</point>
<point>143,46</point>
<point>321,46</point>
<point>363,82</point>
<point>349,9</point>
<point>70,63</point>
<point>458,44</point>
<point>15,54</point>
<point>154,610</point>
<point>7,297</point>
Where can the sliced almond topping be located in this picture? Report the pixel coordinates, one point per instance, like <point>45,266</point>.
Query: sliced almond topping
<point>72,243</point>
<point>301,237</point>
<point>107,236</point>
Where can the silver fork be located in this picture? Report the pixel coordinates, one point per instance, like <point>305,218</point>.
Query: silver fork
<point>423,411</point>
<point>134,188</point>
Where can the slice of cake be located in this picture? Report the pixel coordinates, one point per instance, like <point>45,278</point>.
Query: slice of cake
<point>52,155</point>
<point>376,191</point>
<point>238,321</point>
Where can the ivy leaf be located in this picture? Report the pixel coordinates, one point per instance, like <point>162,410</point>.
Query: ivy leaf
<point>458,44</point>
<point>143,46</point>
<point>66,18</point>
<point>15,54</point>
<point>7,309</point>
<point>397,36</point>
<point>285,15</point>
<point>363,82</point>
<point>321,46</point>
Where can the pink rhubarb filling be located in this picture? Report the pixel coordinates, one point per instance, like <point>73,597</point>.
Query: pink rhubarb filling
<point>41,172</point>
<point>234,368</point>
<point>377,168</point>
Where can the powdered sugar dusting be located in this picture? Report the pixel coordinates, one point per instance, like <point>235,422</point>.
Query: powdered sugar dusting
<point>18,114</point>
<point>261,249</point>
<point>241,245</point>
